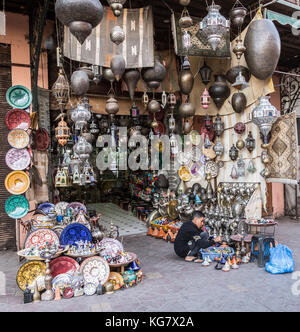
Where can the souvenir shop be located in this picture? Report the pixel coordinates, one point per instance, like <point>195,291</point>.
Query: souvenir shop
<point>206,86</point>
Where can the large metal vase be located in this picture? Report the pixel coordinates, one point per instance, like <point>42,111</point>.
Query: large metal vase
<point>186,81</point>
<point>263,47</point>
<point>80,82</point>
<point>131,78</point>
<point>239,102</point>
<point>219,91</point>
<point>117,66</point>
<point>155,75</point>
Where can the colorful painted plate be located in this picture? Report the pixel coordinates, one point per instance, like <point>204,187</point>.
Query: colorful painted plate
<point>18,139</point>
<point>132,259</point>
<point>212,169</point>
<point>77,207</point>
<point>18,96</point>
<point>63,265</point>
<point>110,247</point>
<point>41,139</point>
<point>17,182</point>
<point>61,280</point>
<point>47,208</point>
<point>28,273</point>
<point>74,233</point>
<point>41,237</point>
<point>17,160</point>
<point>17,119</point>
<point>95,270</point>
<point>117,280</point>
<point>16,207</point>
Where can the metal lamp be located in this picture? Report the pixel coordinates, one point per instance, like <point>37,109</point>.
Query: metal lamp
<point>214,26</point>
<point>60,90</point>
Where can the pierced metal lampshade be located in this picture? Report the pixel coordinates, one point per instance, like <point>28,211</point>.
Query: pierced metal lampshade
<point>62,132</point>
<point>205,73</point>
<point>214,26</point>
<point>60,90</point>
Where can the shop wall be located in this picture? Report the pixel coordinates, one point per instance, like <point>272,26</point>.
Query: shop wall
<point>277,188</point>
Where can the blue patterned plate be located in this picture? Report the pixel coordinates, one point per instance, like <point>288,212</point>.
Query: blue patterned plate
<point>74,233</point>
<point>47,208</point>
<point>16,207</point>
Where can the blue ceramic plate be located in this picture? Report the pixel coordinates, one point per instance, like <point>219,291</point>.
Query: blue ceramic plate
<point>73,233</point>
<point>16,207</point>
<point>47,208</point>
<point>18,96</point>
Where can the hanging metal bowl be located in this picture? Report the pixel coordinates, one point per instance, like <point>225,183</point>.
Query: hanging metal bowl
<point>233,73</point>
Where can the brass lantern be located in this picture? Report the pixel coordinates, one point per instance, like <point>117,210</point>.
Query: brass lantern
<point>60,90</point>
<point>62,132</point>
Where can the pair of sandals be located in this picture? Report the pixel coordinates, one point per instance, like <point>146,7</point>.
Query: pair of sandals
<point>192,259</point>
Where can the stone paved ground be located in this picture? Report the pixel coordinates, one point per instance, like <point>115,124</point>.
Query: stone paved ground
<point>174,285</point>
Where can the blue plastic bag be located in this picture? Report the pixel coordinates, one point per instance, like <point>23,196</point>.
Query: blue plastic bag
<point>281,260</point>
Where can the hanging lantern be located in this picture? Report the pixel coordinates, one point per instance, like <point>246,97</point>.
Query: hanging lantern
<point>80,16</point>
<point>241,167</point>
<point>117,66</point>
<point>184,2</point>
<point>185,20</point>
<point>219,148</point>
<point>186,41</point>
<point>172,123</point>
<point>238,14</point>
<point>112,106</point>
<point>233,153</point>
<point>240,82</point>
<point>80,116</point>
<point>187,110</point>
<point>239,102</point>
<point>134,111</point>
<point>205,73</point>
<point>155,75</point>
<point>208,123</point>
<point>153,107</point>
<point>251,168</point>
<point>240,144</point>
<point>131,78</point>
<point>234,173</point>
<point>218,126</point>
<point>62,132</point>
<point>207,142</point>
<point>186,78</point>
<point>250,142</point>
<point>60,90</point>
<point>264,116</point>
<point>83,149</point>
<point>239,48</point>
<point>117,35</point>
<point>219,90</point>
<point>214,26</point>
<point>80,82</point>
<point>116,6</point>
<point>94,128</point>
<point>172,100</point>
<point>205,99</point>
<point>240,128</point>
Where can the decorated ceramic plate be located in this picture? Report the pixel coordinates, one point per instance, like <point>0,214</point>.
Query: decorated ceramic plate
<point>61,280</point>
<point>17,119</point>
<point>17,182</point>
<point>95,270</point>
<point>16,206</point>
<point>195,168</point>
<point>63,265</point>
<point>18,138</point>
<point>41,237</point>
<point>18,96</point>
<point>17,160</point>
<point>29,272</point>
<point>58,230</point>
<point>184,174</point>
<point>117,280</point>
<point>61,208</point>
<point>76,206</point>
<point>41,139</point>
<point>184,157</point>
<point>47,208</point>
<point>132,256</point>
<point>74,233</point>
<point>109,247</point>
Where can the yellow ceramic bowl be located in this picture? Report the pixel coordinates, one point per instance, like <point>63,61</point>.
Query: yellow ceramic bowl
<point>184,174</point>
<point>17,183</point>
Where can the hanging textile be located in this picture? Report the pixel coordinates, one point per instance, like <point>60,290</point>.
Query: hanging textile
<point>253,208</point>
<point>199,44</point>
<point>98,49</point>
<point>284,150</point>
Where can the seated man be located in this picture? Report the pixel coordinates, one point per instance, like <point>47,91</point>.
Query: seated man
<point>191,238</point>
